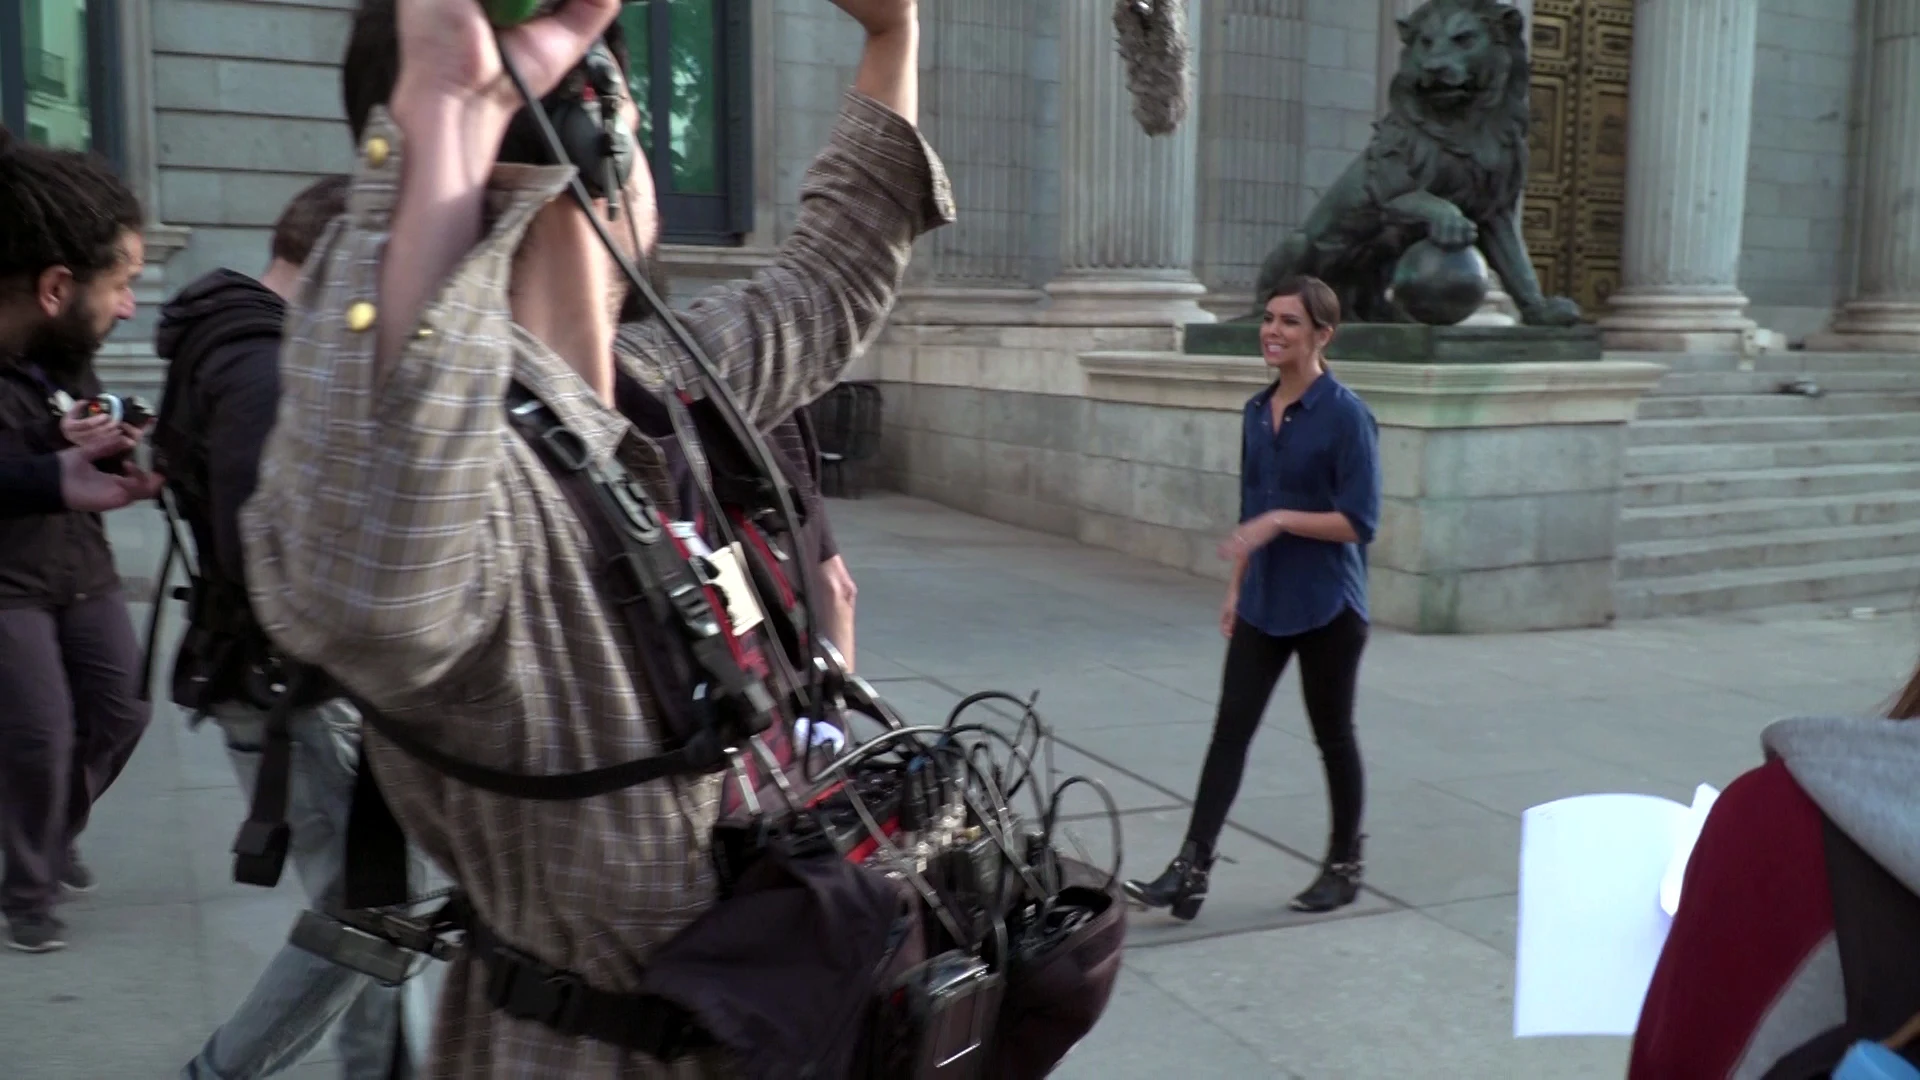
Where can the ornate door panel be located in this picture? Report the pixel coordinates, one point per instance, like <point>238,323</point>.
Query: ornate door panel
<point>1577,146</point>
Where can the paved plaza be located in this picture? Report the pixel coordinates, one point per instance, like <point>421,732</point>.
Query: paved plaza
<point>1460,736</point>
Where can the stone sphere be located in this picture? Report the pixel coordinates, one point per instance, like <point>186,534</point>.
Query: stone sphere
<point>1440,287</point>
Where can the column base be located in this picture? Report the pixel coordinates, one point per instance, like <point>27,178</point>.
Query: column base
<point>1872,326</point>
<point>951,305</point>
<point>1677,320</point>
<point>1116,298</point>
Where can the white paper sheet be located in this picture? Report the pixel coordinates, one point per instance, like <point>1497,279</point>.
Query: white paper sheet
<point>1687,835</point>
<point>1591,926</point>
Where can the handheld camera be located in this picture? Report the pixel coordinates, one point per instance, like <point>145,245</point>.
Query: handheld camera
<point>123,410</point>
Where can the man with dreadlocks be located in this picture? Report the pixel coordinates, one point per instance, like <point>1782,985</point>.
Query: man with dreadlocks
<point>69,255</point>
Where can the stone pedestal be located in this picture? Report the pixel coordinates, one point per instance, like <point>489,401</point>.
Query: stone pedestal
<point>1413,343</point>
<point>1500,481</point>
<point>1126,199</point>
<point>1885,313</point>
<point>1501,492</point>
<point>1691,112</point>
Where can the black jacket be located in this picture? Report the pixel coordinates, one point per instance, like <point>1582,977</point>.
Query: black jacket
<point>30,485</point>
<point>47,560</point>
<point>220,337</point>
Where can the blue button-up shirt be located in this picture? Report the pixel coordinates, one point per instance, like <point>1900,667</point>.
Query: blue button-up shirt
<point>1323,456</point>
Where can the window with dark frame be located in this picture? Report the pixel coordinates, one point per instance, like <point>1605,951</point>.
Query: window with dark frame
<point>58,85</point>
<point>691,79</point>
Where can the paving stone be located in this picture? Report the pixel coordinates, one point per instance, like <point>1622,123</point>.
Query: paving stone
<point>1460,735</point>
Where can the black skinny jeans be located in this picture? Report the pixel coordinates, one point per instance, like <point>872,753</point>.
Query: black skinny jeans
<point>1329,672</point>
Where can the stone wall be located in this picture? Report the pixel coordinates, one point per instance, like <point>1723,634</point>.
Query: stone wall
<point>247,112</point>
<point>1795,251</point>
<point>1502,477</point>
<point>1160,484</point>
<point>1286,99</point>
<point>996,420</point>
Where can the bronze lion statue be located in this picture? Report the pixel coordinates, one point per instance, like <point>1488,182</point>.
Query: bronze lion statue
<point>1447,163</point>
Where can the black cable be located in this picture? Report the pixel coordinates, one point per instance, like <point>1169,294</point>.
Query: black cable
<point>720,393</point>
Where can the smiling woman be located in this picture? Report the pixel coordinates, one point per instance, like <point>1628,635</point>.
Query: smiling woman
<point>50,71</point>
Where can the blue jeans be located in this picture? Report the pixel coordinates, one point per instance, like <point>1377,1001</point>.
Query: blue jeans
<point>300,996</point>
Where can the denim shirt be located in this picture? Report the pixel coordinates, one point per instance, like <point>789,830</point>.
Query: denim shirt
<point>1325,456</point>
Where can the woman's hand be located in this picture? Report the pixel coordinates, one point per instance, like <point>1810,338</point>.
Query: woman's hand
<point>1253,535</point>
<point>1230,612</point>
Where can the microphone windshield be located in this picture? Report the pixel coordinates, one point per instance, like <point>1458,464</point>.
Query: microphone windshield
<point>1154,49</point>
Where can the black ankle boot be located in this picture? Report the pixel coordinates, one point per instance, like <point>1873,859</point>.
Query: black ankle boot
<point>1182,887</point>
<point>1338,884</point>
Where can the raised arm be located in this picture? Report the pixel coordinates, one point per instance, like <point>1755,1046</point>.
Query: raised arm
<point>783,337</point>
<point>379,539</point>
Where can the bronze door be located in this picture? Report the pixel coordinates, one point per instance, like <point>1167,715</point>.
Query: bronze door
<point>1577,146</point>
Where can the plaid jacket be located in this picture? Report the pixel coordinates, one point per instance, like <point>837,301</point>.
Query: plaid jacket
<point>405,539</point>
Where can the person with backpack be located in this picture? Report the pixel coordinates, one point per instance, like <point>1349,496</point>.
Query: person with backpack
<point>220,337</point>
<point>1798,922</point>
<point>432,527</point>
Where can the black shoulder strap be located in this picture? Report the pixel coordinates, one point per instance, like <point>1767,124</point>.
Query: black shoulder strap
<point>260,850</point>
<point>655,578</point>
<point>1876,927</point>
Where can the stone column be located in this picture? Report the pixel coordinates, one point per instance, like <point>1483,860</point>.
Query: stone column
<point>1885,311</point>
<point>1689,118</point>
<point>1126,200</point>
<point>977,106</point>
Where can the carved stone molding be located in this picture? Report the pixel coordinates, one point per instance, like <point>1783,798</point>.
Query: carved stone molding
<point>1430,396</point>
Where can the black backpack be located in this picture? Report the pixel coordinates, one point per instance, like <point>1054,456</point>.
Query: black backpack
<point>224,640</point>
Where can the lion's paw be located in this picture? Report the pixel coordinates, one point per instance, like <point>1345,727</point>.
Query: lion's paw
<point>1553,311</point>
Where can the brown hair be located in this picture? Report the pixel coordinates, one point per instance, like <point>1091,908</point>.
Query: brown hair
<point>307,216</point>
<point>1323,306</point>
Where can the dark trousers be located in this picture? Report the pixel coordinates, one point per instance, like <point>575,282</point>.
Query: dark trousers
<point>1329,672</point>
<point>69,720</point>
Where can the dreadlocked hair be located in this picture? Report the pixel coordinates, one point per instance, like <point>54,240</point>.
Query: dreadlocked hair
<point>61,208</point>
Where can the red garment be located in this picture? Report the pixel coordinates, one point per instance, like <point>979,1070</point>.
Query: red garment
<point>1755,907</point>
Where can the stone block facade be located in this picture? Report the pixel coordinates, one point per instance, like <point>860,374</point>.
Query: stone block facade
<point>1500,482</point>
<point>1795,243</point>
<point>236,105</point>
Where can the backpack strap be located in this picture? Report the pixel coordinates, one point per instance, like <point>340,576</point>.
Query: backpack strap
<point>260,849</point>
<point>656,590</point>
<point>1876,927</point>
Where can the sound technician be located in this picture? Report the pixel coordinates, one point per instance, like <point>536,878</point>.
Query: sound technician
<point>407,540</point>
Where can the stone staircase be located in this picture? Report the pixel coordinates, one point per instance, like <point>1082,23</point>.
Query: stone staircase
<point>1738,496</point>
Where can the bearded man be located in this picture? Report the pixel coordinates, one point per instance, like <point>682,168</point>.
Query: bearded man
<point>69,255</point>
